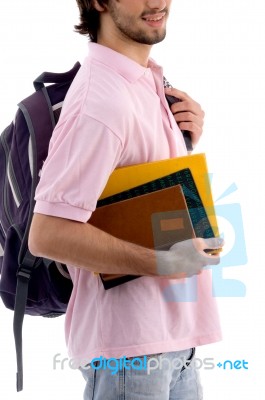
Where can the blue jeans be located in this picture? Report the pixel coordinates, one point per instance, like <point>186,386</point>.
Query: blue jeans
<point>166,379</point>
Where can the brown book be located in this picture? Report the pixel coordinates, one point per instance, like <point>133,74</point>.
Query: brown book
<point>153,220</point>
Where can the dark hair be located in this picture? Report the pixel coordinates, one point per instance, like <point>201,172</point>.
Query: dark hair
<point>89,18</point>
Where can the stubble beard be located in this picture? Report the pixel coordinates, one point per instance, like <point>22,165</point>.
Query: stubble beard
<point>125,26</point>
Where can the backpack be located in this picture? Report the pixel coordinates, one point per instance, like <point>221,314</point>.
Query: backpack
<point>29,285</point>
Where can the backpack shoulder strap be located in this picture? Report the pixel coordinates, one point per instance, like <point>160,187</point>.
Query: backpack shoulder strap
<point>52,77</point>
<point>23,277</point>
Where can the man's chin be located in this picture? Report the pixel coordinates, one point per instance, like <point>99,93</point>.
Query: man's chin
<point>157,37</point>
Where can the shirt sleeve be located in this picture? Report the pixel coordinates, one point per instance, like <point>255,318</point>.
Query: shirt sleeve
<point>83,152</point>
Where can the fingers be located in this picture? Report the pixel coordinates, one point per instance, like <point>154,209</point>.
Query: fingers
<point>187,113</point>
<point>213,243</point>
<point>188,257</point>
<point>187,106</point>
<point>189,122</point>
<point>186,103</point>
<point>211,249</point>
<point>177,93</point>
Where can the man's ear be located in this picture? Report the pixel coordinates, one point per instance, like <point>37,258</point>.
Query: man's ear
<point>98,5</point>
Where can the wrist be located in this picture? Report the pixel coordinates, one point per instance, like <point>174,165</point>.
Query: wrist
<point>164,263</point>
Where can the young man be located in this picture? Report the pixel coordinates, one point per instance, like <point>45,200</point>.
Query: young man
<point>116,114</point>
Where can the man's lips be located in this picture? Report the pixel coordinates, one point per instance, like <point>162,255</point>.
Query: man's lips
<point>154,17</point>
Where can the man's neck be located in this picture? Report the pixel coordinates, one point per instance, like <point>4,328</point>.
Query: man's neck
<point>136,51</point>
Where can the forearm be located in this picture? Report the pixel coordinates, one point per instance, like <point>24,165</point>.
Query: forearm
<point>84,246</point>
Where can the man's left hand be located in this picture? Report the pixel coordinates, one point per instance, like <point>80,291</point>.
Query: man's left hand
<point>188,114</point>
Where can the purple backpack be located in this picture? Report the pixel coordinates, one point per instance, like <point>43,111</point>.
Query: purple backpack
<point>29,285</point>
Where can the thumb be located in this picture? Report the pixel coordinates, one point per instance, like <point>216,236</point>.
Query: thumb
<point>213,243</point>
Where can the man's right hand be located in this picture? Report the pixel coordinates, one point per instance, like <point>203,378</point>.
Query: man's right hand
<point>187,258</point>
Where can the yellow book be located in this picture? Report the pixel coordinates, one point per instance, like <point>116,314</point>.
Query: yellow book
<point>125,178</point>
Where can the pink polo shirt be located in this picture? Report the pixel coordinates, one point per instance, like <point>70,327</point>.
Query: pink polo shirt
<point>115,114</point>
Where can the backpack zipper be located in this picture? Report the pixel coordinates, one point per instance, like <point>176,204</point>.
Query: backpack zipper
<point>2,229</point>
<point>2,239</point>
<point>5,202</point>
<point>10,173</point>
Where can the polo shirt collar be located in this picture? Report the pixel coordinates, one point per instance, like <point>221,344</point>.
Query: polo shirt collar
<point>125,66</point>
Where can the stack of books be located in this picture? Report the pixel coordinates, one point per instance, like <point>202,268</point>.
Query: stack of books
<point>155,205</point>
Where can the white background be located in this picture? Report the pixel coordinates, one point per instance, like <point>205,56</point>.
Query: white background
<point>214,51</point>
